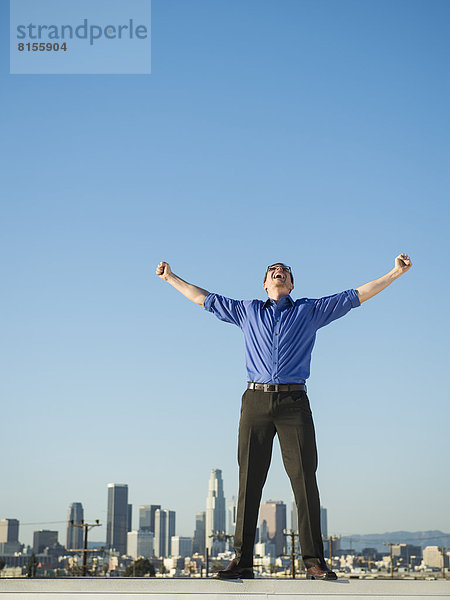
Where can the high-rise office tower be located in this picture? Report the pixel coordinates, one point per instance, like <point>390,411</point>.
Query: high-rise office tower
<point>323,522</point>
<point>44,539</point>
<point>272,522</point>
<point>74,535</point>
<point>215,512</point>
<point>164,530</point>
<point>198,544</point>
<point>117,518</point>
<point>9,531</point>
<point>129,517</point>
<point>181,546</point>
<point>144,518</point>
<point>406,554</point>
<point>170,529</point>
<point>294,516</point>
<point>231,515</point>
<point>140,543</point>
<point>147,516</point>
<point>434,556</point>
<point>9,536</point>
<point>160,538</point>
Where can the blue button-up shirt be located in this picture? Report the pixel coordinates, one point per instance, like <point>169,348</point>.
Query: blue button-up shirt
<point>279,336</point>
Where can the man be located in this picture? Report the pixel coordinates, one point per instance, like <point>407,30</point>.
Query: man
<point>279,337</point>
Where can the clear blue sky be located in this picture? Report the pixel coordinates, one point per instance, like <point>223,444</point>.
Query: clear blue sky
<point>309,131</point>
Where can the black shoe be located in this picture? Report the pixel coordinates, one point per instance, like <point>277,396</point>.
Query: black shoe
<point>233,571</point>
<point>321,572</point>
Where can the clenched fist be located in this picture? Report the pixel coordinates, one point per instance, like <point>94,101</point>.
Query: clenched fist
<point>163,270</point>
<point>402,263</point>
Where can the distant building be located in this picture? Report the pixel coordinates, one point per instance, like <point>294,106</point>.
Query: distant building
<point>74,535</point>
<point>147,516</point>
<point>129,517</point>
<point>9,536</point>
<point>44,539</point>
<point>118,517</point>
<point>265,549</point>
<point>9,530</point>
<point>198,545</point>
<point>294,516</point>
<point>181,546</point>
<point>406,554</point>
<point>164,530</point>
<point>231,515</point>
<point>215,512</point>
<point>432,557</point>
<point>335,547</point>
<point>272,523</point>
<point>140,543</point>
<point>324,522</point>
<point>371,554</point>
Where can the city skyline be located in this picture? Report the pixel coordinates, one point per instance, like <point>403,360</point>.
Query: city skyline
<point>357,541</point>
<point>9,527</point>
<point>316,134</point>
<point>177,555</point>
<point>100,533</point>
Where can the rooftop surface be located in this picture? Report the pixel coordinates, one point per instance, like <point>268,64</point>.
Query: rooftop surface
<point>209,589</point>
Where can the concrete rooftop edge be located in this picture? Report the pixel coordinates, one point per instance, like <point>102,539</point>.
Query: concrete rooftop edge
<point>210,588</point>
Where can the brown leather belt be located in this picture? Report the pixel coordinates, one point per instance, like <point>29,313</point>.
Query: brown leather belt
<point>277,387</point>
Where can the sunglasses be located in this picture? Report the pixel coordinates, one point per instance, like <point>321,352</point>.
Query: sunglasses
<point>284,268</point>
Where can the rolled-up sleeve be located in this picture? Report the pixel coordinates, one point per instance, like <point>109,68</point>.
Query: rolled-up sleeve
<point>330,308</point>
<point>226,309</point>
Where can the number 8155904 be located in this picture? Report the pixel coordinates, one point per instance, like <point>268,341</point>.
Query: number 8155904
<point>42,47</point>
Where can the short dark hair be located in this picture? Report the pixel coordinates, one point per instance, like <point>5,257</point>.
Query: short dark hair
<point>283,265</point>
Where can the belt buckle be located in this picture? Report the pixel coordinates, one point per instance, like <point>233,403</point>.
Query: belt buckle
<point>268,385</point>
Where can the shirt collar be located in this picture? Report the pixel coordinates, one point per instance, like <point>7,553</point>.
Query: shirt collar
<point>284,300</point>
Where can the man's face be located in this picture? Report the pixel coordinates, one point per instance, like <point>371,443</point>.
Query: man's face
<point>278,277</point>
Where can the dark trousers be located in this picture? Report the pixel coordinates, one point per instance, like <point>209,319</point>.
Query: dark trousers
<point>289,415</point>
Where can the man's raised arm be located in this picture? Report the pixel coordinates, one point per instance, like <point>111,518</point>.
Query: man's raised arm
<point>368,290</point>
<point>192,292</point>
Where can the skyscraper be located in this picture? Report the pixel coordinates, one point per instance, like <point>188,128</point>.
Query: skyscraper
<point>181,546</point>
<point>323,522</point>
<point>9,536</point>
<point>9,531</point>
<point>74,535</point>
<point>44,539</point>
<point>272,522</point>
<point>215,511</point>
<point>198,545</point>
<point>231,515</point>
<point>432,557</point>
<point>147,516</point>
<point>164,530</point>
<point>294,516</point>
<point>140,543</point>
<point>129,517</point>
<point>118,517</point>
<point>198,541</point>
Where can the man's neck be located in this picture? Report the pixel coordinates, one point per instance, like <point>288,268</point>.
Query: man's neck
<point>276,297</point>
